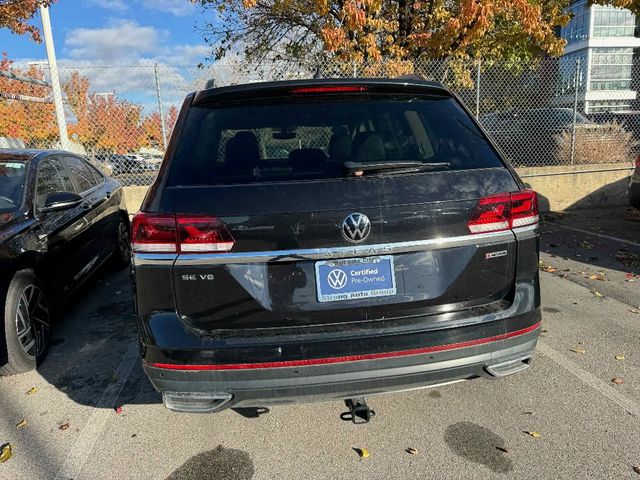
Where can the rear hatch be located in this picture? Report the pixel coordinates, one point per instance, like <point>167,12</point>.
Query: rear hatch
<point>308,206</point>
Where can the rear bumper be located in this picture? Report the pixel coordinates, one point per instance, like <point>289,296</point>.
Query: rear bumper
<point>489,350</point>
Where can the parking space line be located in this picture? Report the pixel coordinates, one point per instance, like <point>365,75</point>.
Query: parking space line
<point>594,382</point>
<point>601,235</point>
<point>92,430</point>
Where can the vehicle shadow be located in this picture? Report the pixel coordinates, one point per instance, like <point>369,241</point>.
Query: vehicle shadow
<point>91,337</point>
<point>597,237</point>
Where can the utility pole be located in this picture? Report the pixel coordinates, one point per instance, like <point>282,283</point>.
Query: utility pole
<point>55,80</point>
<point>164,128</point>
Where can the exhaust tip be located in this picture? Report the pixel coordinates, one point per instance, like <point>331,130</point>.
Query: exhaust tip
<point>510,367</point>
<point>196,402</point>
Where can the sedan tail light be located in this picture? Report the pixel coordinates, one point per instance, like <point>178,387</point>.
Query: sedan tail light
<point>504,211</point>
<point>170,233</point>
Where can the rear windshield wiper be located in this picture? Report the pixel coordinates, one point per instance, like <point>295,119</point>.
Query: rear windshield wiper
<point>410,166</point>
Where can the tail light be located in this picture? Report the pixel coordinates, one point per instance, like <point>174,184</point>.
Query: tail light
<point>153,233</point>
<point>331,89</point>
<point>504,211</point>
<point>169,233</point>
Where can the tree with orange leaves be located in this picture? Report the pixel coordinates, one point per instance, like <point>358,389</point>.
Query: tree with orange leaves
<point>398,32</point>
<point>34,122</point>
<point>16,14</point>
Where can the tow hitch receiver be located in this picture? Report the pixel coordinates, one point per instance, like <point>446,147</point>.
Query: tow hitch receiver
<point>359,412</point>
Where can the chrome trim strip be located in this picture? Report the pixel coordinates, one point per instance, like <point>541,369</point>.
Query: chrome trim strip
<point>336,252</point>
<point>523,233</point>
<point>142,259</point>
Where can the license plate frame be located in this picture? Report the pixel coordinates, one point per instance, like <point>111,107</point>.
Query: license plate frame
<point>361,278</point>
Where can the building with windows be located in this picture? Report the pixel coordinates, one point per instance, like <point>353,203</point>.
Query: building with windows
<point>601,45</point>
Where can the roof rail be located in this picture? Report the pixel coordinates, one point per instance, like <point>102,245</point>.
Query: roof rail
<point>211,83</point>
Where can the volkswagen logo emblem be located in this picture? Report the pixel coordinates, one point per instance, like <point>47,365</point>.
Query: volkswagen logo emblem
<point>356,227</point>
<point>337,279</point>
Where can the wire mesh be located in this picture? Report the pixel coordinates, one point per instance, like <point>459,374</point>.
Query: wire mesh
<point>550,112</point>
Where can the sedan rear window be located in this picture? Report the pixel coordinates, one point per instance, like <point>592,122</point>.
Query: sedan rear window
<point>311,139</point>
<point>12,178</point>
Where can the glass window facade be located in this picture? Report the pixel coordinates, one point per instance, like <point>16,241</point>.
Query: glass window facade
<point>578,27</point>
<point>609,106</point>
<point>611,68</point>
<point>613,22</point>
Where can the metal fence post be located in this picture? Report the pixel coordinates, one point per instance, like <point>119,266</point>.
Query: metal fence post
<point>164,128</point>
<point>355,69</point>
<point>576,84</point>
<point>478,90</point>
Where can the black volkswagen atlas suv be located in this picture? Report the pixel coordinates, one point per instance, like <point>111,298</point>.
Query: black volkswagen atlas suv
<point>331,239</point>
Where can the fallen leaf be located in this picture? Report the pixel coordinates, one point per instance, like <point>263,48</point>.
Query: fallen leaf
<point>587,245</point>
<point>636,468</point>
<point>32,391</point>
<point>617,381</point>
<point>412,451</point>
<point>597,276</point>
<point>597,294</point>
<point>362,452</point>
<point>544,330</point>
<point>502,449</point>
<point>134,435</point>
<point>64,426</point>
<point>533,434</point>
<point>578,350</point>
<point>114,378</point>
<point>118,410</point>
<point>634,311</point>
<point>549,269</point>
<point>5,452</point>
<point>21,424</point>
<point>527,413</point>
<point>619,357</point>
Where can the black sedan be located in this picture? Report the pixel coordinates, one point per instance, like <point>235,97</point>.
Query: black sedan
<point>60,220</point>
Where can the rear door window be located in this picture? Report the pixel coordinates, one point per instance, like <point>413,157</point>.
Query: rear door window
<point>312,139</point>
<point>82,174</point>
<point>52,178</point>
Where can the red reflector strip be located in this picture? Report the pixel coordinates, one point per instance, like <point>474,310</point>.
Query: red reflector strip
<point>335,89</point>
<point>348,358</point>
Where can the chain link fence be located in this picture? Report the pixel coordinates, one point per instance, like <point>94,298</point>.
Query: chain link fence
<point>566,113</point>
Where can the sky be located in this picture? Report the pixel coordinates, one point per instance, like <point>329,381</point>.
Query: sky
<point>97,33</point>
<point>117,31</point>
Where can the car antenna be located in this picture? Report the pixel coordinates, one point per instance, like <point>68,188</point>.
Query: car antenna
<point>318,74</point>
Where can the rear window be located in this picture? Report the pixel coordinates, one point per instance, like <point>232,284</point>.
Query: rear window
<point>312,140</point>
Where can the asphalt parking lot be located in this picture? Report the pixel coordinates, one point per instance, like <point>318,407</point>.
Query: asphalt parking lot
<point>588,425</point>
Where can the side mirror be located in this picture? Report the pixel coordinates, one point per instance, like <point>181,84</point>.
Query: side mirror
<point>58,201</point>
